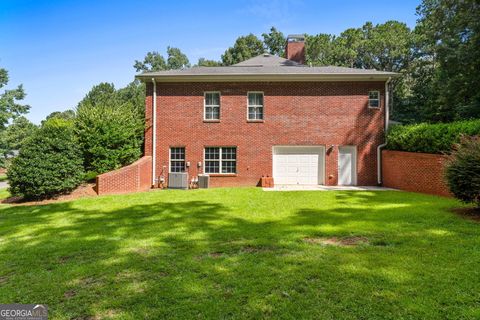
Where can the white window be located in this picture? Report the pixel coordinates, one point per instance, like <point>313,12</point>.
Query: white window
<point>177,159</point>
<point>374,99</point>
<point>220,160</point>
<point>212,106</point>
<point>255,106</point>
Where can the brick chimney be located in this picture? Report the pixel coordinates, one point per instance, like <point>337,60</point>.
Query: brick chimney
<point>295,48</point>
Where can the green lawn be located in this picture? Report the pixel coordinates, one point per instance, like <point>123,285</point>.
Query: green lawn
<point>242,254</point>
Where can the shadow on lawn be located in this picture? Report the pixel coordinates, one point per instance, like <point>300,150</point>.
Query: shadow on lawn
<point>198,259</point>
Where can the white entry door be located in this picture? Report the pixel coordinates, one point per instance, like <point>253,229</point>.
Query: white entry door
<point>298,165</point>
<point>347,165</point>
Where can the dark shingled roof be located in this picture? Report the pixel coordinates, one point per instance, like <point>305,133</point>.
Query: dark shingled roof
<point>265,65</point>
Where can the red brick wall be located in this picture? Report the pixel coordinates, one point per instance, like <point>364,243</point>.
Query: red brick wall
<point>417,172</point>
<point>295,51</point>
<point>296,113</point>
<point>132,178</point>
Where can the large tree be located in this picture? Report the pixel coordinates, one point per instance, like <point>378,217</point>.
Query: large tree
<point>134,92</point>
<point>202,62</point>
<point>154,61</point>
<point>274,42</point>
<point>66,115</point>
<point>10,107</point>
<point>449,48</point>
<point>319,50</point>
<point>109,126</point>
<point>176,59</point>
<point>14,136</point>
<point>386,47</point>
<point>245,47</point>
<point>347,48</point>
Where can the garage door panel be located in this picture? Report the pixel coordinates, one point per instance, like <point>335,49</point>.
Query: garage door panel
<point>281,159</point>
<point>298,165</point>
<point>292,159</point>
<point>291,169</point>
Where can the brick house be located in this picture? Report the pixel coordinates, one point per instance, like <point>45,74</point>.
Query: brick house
<point>268,116</point>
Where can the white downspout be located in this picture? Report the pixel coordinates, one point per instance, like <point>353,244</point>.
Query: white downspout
<point>379,148</point>
<point>154,132</point>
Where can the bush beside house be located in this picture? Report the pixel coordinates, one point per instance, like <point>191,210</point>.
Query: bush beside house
<point>463,171</point>
<point>49,163</point>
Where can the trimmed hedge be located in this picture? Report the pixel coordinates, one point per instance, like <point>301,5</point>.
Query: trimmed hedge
<point>430,138</point>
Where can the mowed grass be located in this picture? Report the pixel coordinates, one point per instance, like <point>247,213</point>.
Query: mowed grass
<point>241,254</point>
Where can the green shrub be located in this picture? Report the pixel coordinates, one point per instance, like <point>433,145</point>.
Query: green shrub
<point>110,129</point>
<point>430,138</point>
<point>462,171</point>
<point>90,176</point>
<point>49,163</point>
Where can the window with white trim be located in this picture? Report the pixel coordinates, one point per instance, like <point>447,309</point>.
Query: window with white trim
<point>374,99</point>
<point>177,159</point>
<point>212,106</point>
<point>220,160</point>
<point>255,106</point>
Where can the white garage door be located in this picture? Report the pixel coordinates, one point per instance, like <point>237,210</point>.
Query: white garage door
<point>298,165</point>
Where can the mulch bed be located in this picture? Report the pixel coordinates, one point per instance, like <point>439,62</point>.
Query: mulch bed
<point>84,190</point>
<point>468,213</point>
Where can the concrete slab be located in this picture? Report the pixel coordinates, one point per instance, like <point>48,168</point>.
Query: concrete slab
<point>326,188</point>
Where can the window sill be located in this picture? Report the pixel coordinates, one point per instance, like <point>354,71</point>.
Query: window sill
<point>222,174</point>
<point>255,121</point>
<point>211,121</point>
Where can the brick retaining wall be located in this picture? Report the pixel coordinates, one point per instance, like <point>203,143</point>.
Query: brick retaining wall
<point>132,178</point>
<point>416,172</point>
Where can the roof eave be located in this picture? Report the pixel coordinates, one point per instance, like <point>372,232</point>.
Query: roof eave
<point>265,77</point>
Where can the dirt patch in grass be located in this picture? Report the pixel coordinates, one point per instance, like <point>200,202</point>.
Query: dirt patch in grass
<point>85,317</point>
<point>84,190</point>
<point>211,255</point>
<point>64,259</point>
<point>337,241</point>
<point>215,255</point>
<point>255,249</point>
<point>142,251</point>
<point>109,314</point>
<point>69,294</point>
<point>87,283</point>
<point>468,213</point>
<point>3,279</point>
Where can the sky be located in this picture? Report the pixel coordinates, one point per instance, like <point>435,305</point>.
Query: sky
<point>58,50</point>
